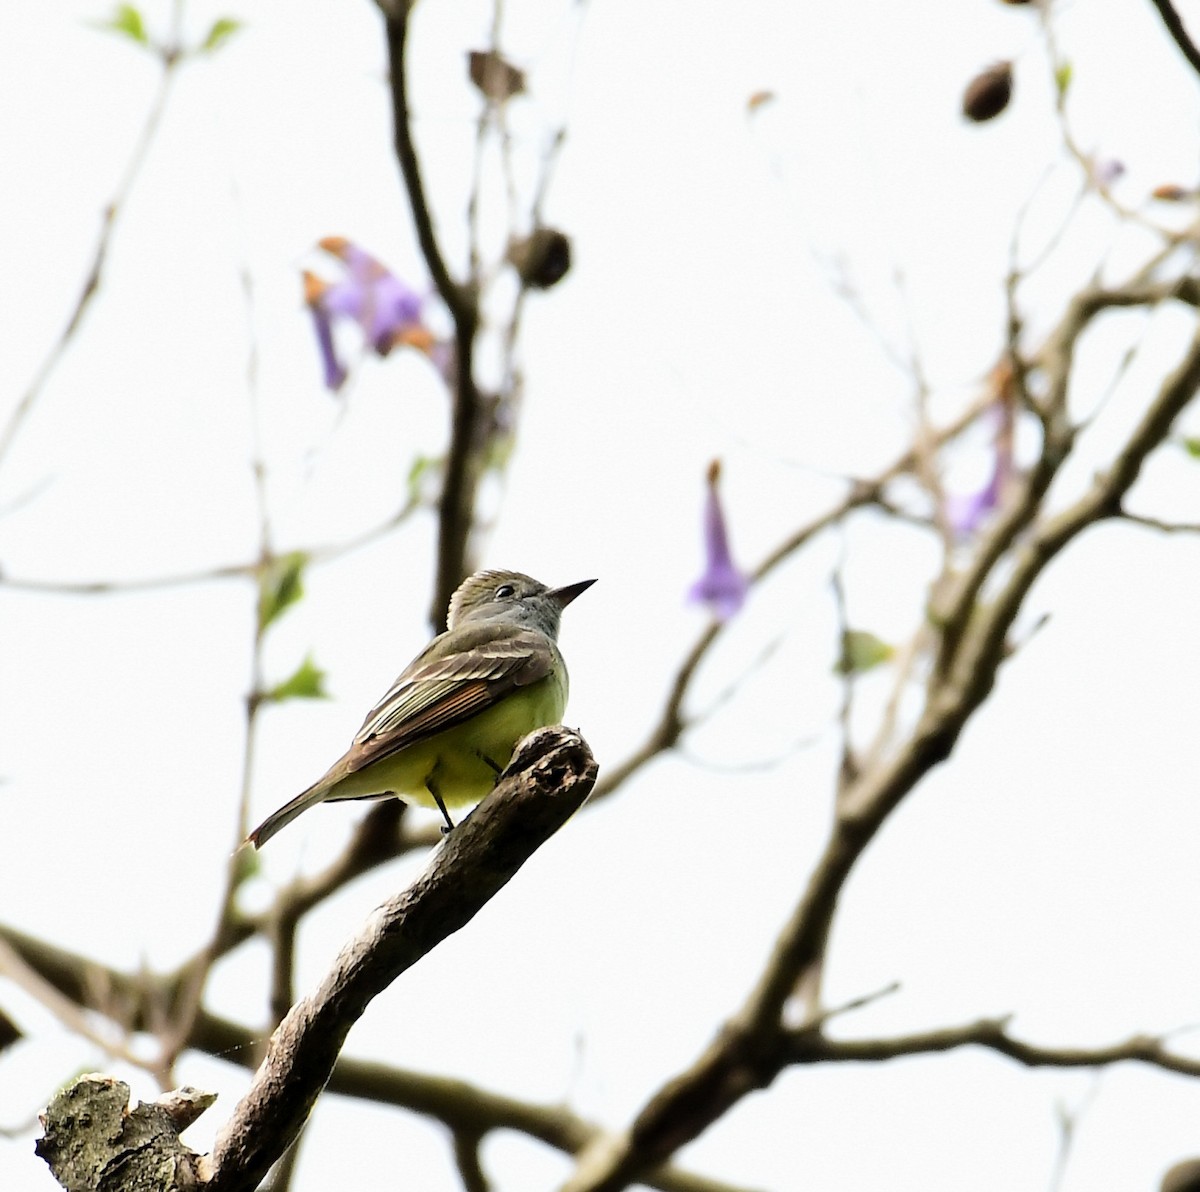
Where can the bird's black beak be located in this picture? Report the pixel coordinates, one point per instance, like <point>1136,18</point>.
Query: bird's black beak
<point>563,596</point>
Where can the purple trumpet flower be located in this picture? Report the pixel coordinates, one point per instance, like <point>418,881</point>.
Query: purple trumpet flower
<point>966,512</point>
<point>722,587</point>
<point>386,309</point>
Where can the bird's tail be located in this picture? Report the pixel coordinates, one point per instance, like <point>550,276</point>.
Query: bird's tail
<point>288,812</point>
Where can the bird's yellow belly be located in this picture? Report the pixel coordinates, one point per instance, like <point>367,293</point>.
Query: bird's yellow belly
<point>459,761</point>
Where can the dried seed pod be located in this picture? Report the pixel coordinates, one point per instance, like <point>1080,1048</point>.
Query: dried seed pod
<point>1183,1177</point>
<point>988,93</point>
<point>494,75</point>
<point>1172,192</point>
<point>542,258</point>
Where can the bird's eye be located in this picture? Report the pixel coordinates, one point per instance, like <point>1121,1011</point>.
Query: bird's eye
<point>504,591</point>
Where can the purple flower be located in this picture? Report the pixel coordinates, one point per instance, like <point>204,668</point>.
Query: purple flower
<point>1106,170</point>
<point>722,586</point>
<point>315,291</point>
<point>385,308</point>
<point>966,512</point>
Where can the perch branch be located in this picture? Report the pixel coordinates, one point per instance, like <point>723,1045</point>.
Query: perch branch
<point>550,775</point>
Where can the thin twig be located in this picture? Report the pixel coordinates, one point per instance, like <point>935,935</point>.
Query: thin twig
<point>1157,523</point>
<point>671,722</point>
<point>95,275</point>
<point>991,1033</point>
<point>70,1013</point>
<point>324,553</point>
<point>468,1162</point>
<point>1068,1124</point>
<point>511,383</point>
<point>175,1036</point>
<point>848,767</point>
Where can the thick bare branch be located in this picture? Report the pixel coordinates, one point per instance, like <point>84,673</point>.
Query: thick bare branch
<point>551,774</point>
<point>457,508</point>
<point>15,968</point>
<point>744,1055</point>
<point>93,1140</point>
<point>456,1103</point>
<point>956,604</point>
<point>461,1106</point>
<point>1179,35</point>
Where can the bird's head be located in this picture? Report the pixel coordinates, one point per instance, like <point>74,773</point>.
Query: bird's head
<point>511,596</point>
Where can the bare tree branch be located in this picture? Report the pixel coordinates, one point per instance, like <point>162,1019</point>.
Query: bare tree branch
<point>461,1106</point>
<point>139,1001</point>
<point>93,1139</point>
<point>1159,524</point>
<point>457,509</point>
<point>466,1158</point>
<point>671,722</point>
<point>957,603</point>
<point>550,775</point>
<point>458,1104</point>
<point>992,1033</point>
<point>1178,33</point>
<point>969,633</point>
<point>324,553</point>
<point>95,274</point>
<point>744,1055</point>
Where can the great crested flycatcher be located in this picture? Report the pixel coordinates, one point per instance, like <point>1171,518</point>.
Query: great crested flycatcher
<point>449,725</point>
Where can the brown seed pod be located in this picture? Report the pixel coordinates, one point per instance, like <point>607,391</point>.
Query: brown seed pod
<point>988,93</point>
<point>494,75</point>
<point>1171,192</point>
<point>542,258</point>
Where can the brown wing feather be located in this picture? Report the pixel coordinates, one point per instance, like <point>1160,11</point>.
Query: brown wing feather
<point>434,695</point>
<point>457,705</point>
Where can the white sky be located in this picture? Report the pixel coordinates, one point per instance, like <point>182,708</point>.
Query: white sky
<point>1050,870</point>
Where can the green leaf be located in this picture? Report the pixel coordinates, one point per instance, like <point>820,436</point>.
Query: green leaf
<point>1062,78</point>
<point>862,651</point>
<point>499,452</point>
<point>127,21</point>
<point>247,864</point>
<point>419,476</point>
<point>223,28</point>
<point>1192,447</point>
<point>306,682</point>
<point>280,585</point>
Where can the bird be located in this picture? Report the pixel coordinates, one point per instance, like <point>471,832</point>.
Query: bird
<point>448,725</point>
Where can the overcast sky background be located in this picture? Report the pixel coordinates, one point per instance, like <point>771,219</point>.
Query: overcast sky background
<point>1050,870</point>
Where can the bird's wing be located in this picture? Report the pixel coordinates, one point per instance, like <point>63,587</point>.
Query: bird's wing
<point>435,694</point>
